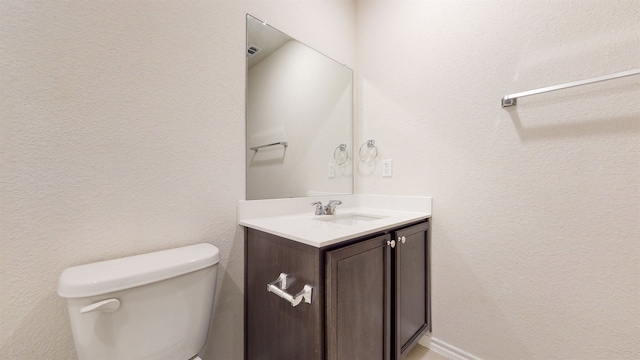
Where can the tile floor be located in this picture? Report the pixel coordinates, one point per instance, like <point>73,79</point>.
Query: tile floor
<point>422,353</point>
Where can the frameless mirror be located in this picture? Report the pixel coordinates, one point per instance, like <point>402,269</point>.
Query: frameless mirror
<point>299,118</point>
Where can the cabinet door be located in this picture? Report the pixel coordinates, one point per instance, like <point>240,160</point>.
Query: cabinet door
<point>411,282</point>
<point>358,300</point>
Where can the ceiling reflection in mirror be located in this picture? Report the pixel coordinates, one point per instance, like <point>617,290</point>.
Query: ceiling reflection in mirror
<point>299,118</point>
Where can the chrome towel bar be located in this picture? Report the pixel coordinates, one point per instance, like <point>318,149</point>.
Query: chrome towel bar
<point>279,285</point>
<point>511,100</point>
<point>284,143</point>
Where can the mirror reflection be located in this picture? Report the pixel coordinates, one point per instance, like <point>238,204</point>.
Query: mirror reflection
<point>299,118</point>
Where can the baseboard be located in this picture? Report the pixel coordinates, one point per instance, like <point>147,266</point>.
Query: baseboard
<point>445,349</point>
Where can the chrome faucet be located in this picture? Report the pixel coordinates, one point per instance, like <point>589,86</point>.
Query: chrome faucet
<point>330,209</point>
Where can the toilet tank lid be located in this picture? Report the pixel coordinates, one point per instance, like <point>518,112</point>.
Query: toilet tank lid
<point>119,274</point>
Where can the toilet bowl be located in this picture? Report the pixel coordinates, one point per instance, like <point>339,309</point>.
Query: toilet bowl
<point>154,306</point>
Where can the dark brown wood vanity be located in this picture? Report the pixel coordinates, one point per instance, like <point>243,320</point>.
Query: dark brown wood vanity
<point>370,295</point>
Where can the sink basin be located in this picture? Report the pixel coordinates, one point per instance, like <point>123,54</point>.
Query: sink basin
<point>350,219</point>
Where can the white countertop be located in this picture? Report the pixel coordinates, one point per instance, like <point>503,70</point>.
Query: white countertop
<point>315,230</point>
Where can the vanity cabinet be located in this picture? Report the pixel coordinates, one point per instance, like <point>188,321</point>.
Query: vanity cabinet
<point>370,297</point>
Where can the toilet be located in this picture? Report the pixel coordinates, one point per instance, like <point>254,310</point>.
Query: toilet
<point>154,306</point>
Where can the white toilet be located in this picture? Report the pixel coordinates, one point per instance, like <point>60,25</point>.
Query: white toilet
<point>155,306</point>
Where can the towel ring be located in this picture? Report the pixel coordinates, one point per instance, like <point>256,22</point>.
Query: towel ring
<point>370,144</point>
<point>342,148</point>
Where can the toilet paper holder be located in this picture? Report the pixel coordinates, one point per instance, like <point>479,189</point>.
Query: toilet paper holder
<point>280,285</point>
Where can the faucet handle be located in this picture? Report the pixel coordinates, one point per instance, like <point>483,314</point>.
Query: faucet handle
<point>330,209</point>
<point>319,207</point>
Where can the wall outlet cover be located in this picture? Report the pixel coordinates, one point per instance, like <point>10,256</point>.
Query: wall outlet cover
<point>387,168</point>
<point>332,170</point>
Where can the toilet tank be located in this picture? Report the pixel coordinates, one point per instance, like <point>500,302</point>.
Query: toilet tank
<point>151,306</point>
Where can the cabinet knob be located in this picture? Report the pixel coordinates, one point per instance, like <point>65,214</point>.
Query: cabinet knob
<point>391,243</point>
<point>404,239</point>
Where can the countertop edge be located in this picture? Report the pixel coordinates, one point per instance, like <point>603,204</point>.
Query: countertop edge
<point>278,225</point>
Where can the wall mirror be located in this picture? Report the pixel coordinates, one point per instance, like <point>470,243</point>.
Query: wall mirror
<point>299,117</point>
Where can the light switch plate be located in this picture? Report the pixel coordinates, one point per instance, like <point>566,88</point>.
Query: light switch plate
<point>332,170</point>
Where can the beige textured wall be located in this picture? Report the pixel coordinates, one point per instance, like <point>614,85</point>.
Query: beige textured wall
<point>536,227</point>
<point>122,132</point>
